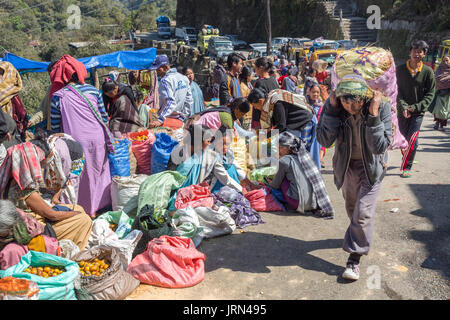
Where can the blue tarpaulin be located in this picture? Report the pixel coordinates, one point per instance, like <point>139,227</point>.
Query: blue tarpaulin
<point>132,60</point>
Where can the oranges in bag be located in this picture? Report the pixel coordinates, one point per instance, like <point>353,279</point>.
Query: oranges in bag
<point>95,267</point>
<point>45,271</point>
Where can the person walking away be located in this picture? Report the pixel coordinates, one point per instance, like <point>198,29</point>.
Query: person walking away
<point>313,99</point>
<point>77,110</point>
<point>122,109</point>
<point>265,81</point>
<point>289,82</point>
<point>197,94</point>
<point>175,96</point>
<point>416,89</point>
<point>359,121</point>
<point>440,107</point>
<point>230,87</point>
<point>42,114</point>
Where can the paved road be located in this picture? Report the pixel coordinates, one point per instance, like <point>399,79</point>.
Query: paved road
<point>295,256</point>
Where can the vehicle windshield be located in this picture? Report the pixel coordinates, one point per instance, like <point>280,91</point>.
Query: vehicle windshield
<point>276,41</point>
<point>190,31</point>
<point>165,29</point>
<point>223,46</point>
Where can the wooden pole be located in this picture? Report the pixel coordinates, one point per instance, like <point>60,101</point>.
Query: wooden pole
<point>269,28</point>
<point>96,80</point>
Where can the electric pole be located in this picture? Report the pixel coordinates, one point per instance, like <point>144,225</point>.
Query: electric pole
<point>269,28</point>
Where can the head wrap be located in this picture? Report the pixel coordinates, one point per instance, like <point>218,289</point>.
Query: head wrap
<point>63,71</point>
<point>355,85</point>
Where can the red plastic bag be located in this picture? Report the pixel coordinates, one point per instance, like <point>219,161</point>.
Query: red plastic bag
<point>262,200</point>
<point>142,150</point>
<point>194,196</point>
<point>170,262</point>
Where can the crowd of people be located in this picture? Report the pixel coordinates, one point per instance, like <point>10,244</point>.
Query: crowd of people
<point>54,167</point>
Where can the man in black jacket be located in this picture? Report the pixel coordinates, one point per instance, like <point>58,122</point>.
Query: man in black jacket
<point>230,87</point>
<point>416,88</point>
<point>361,125</point>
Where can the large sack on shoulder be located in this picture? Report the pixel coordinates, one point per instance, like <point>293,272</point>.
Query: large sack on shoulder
<point>114,284</point>
<point>124,192</point>
<point>60,287</point>
<point>170,262</point>
<point>376,66</point>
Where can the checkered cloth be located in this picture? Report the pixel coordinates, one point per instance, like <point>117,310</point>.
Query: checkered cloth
<point>22,163</point>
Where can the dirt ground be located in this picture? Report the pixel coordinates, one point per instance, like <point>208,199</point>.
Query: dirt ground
<point>294,256</point>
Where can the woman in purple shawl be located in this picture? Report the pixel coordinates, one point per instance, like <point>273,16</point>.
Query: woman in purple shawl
<point>77,109</point>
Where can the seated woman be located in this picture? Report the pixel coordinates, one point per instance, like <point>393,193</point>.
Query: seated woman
<point>222,141</point>
<point>198,161</point>
<point>122,109</point>
<point>216,117</point>
<point>21,182</point>
<point>20,233</point>
<point>299,179</point>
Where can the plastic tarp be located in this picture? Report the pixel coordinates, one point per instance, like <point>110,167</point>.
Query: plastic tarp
<point>132,60</point>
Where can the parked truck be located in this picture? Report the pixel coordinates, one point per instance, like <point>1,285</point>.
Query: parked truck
<point>206,32</point>
<point>163,27</point>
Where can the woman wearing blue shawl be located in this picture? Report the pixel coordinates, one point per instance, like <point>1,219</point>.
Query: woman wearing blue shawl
<point>197,95</point>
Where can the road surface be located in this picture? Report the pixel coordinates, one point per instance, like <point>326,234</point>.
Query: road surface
<point>295,257</point>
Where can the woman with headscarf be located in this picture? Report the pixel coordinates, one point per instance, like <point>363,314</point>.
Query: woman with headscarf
<point>440,107</point>
<point>299,179</point>
<point>10,102</point>
<point>23,183</point>
<point>197,94</point>
<point>122,108</point>
<point>77,109</point>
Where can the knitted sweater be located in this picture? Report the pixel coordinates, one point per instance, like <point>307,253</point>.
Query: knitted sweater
<point>416,92</point>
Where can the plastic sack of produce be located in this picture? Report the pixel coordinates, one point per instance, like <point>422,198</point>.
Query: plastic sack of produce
<point>170,262</point>
<point>68,248</point>
<point>124,193</point>
<point>18,289</point>
<point>260,174</point>
<point>57,287</point>
<point>119,222</point>
<point>185,223</point>
<point>263,150</point>
<point>162,148</point>
<point>215,222</point>
<point>102,234</point>
<point>141,145</point>
<point>151,226</point>
<point>119,162</point>
<point>376,66</point>
<point>263,201</point>
<point>102,276</point>
<point>239,148</point>
<point>156,190</point>
<point>194,196</point>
